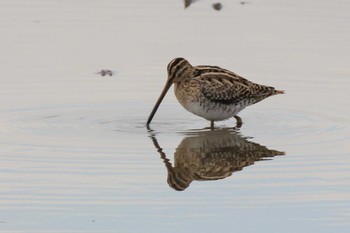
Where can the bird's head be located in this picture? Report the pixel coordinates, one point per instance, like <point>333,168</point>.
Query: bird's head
<point>178,69</point>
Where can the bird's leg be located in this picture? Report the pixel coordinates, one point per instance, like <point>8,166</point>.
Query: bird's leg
<point>239,122</point>
<point>212,125</point>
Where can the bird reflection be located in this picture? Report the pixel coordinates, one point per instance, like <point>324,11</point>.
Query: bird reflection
<point>211,155</point>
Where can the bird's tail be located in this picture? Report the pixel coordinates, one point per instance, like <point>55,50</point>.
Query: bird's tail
<point>276,92</point>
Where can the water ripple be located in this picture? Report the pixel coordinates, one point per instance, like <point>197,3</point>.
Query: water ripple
<point>295,127</point>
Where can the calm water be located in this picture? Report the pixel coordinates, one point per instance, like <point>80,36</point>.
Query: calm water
<point>76,155</point>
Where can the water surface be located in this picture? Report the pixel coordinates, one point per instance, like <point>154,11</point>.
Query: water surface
<point>76,155</point>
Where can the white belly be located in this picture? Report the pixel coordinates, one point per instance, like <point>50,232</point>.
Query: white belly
<point>214,112</point>
<point>192,100</point>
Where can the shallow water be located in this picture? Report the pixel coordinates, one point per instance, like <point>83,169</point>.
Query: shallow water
<point>76,155</point>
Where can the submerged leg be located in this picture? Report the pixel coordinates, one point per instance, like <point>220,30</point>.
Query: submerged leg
<point>239,122</point>
<point>212,124</point>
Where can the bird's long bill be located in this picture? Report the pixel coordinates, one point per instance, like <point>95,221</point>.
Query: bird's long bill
<point>161,97</point>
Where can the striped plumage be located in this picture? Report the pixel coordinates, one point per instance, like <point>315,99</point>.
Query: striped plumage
<point>211,92</point>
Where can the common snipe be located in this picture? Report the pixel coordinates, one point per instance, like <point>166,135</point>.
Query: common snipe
<point>211,92</point>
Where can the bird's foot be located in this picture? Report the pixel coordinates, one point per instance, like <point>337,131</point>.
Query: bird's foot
<point>239,122</point>
<point>212,125</point>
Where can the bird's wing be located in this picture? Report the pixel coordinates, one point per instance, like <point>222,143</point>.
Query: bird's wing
<point>222,88</point>
<point>229,89</point>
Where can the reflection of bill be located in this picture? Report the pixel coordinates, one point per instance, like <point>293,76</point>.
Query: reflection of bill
<point>211,155</point>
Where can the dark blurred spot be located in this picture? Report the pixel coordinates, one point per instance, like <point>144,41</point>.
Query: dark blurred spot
<point>217,6</point>
<point>187,3</point>
<point>105,72</point>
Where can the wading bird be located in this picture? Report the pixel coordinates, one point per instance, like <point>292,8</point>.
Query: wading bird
<point>211,92</point>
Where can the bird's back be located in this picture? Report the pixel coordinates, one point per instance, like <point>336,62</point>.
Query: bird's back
<point>225,87</point>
